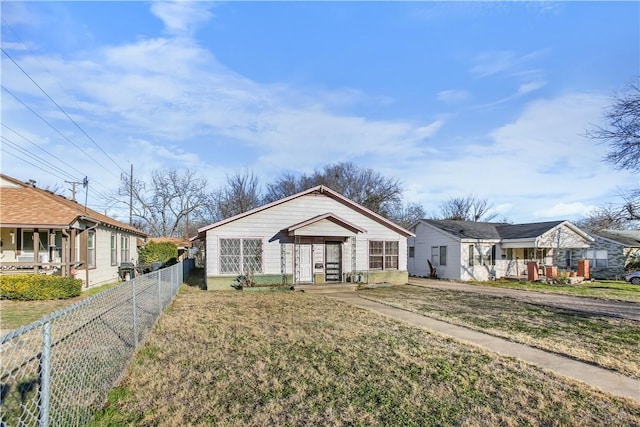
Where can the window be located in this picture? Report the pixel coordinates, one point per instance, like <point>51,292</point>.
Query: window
<point>598,258</point>
<point>391,255</point>
<point>438,255</point>
<point>412,252</point>
<point>376,255</point>
<point>124,249</point>
<point>493,254</point>
<point>383,255</point>
<point>240,256</point>
<point>435,255</point>
<point>91,249</point>
<point>114,254</point>
<point>471,255</point>
<point>443,255</point>
<point>27,241</point>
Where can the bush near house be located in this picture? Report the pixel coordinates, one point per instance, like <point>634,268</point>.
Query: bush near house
<point>30,287</point>
<point>158,252</point>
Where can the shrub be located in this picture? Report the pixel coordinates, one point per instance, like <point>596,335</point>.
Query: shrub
<point>29,287</point>
<point>158,252</point>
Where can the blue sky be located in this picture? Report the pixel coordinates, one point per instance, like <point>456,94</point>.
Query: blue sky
<point>451,98</point>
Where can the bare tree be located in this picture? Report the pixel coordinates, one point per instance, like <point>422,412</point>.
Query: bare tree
<point>406,214</point>
<point>163,204</point>
<point>242,193</point>
<point>622,132</point>
<point>362,185</point>
<point>468,208</point>
<point>604,217</point>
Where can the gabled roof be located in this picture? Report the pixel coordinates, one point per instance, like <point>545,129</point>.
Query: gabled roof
<point>525,231</point>
<point>321,189</point>
<point>498,230</point>
<point>23,205</point>
<point>628,238</point>
<point>466,229</point>
<point>330,217</point>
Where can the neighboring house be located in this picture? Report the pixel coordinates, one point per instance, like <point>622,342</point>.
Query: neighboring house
<point>45,232</point>
<point>315,236</point>
<point>465,250</point>
<point>183,245</point>
<point>611,253</point>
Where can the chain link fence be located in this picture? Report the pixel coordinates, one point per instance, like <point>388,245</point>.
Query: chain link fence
<point>58,370</point>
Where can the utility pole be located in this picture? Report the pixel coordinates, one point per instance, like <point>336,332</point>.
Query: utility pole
<point>73,188</point>
<point>131,196</point>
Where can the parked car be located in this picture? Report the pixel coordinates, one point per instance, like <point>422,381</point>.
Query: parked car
<point>633,278</point>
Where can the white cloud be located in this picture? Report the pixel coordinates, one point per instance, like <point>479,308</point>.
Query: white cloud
<point>452,96</point>
<point>495,62</point>
<point>180,17</point>
<point>564,210</point>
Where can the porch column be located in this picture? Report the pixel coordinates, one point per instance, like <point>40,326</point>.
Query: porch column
<point>36,248</point>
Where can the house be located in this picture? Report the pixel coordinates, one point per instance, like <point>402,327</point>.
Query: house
<point>465,250</point>
<point>182,244</point>
<point>611,253</point>
<point>315,236</point>
<point>48,233</point>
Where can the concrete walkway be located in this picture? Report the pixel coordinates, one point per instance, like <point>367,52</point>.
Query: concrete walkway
<point>603,379</point>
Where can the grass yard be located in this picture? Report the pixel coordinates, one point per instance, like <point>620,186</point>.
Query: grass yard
<point>299,359</point>
<point>606,289</point>
<point>14,314</point>
<point>608,342</point>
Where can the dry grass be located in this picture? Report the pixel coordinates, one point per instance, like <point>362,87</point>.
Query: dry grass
<point>236,359</point>
<point>14,314</point>
<point>604,289</point>
<point>608,342</point>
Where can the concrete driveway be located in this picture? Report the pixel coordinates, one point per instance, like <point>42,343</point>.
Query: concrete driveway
<point>595,306</point>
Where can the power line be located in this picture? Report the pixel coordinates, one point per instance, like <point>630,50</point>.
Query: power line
<point>42,149</point>
<point>32,164</point>
<point>61,109</point>
<point>35,157</point>
<point>56,130</point>
<point>52,155</point>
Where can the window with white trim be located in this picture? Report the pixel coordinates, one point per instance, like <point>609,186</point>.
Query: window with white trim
<point>412,252</point>
<point>91,249</point>
<point>124,249</point>
<point>597,258</point>
<point>114,249</point>
<point>383,255</point>
<point>240,256</point>
<point>439,255</point>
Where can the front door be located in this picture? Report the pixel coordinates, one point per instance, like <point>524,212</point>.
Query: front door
<point>333,262</point>
<point>305,263</point>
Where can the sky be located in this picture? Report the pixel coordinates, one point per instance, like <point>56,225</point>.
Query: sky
<point>491,99</point>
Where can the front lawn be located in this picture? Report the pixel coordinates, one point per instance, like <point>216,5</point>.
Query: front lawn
<point>608,342</point>
<point>299,359</point>
<point>14,314</point>
<point>606,289</point>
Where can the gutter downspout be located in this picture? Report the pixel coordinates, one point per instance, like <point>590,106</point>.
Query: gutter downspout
<point>86,267</point>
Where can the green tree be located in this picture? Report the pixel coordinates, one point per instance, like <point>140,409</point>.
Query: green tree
<point>158,251</point>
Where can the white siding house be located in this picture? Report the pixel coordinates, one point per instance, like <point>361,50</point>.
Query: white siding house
<point>315,236</point>
<point>464,250</point>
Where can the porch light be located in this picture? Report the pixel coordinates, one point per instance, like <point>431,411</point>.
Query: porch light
<point>13,237</point>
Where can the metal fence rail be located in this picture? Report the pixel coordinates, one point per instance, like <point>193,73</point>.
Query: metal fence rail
<point>58,370</point>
